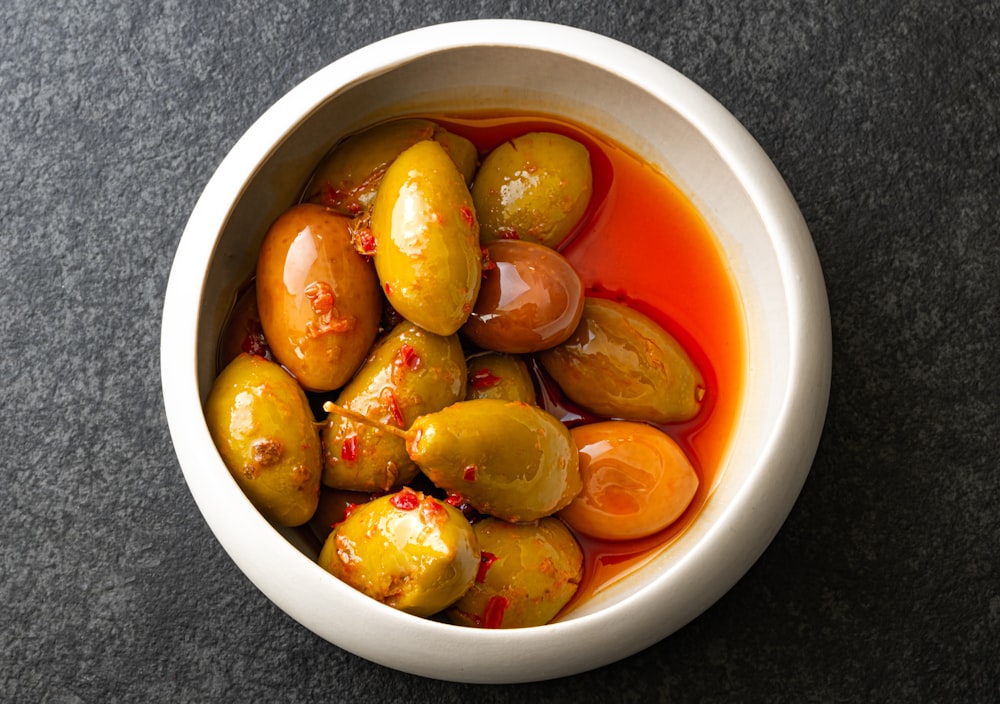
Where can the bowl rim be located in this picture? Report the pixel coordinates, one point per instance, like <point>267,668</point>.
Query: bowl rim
<point>620,629</point>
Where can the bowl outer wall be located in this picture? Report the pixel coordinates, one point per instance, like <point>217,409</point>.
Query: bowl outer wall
<point>739,530</point>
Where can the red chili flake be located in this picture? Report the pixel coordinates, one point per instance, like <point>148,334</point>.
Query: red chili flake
<point>405,500</point>
<point>348,510</point>
<point>349,450</point>
<point>483,379</point>
<point>388,289</point>
<point>468,215</point>
<point>367,241</point>
<point>508,233</point>
<point>254,344</point>
<point>469,474</point>
<point>488,263</point>
<point>455,500</point>
<point>397,415</point>
<point>493,614</point>
<point>407,357</point>
<point>486,560</point>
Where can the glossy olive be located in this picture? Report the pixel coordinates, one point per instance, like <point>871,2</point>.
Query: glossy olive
<point>260,421</point>
<point>498,375</point>
<point>348,176</point>
<point>527,574</point>
<point>427,239</point>
<point>409,373</point>
<point>530,299</point>
<point>408,550</point>
<point>506,459</point>
<point>535,187</point>
<point>318,299</point>
<point>619,363</point>
<point>636,480</point>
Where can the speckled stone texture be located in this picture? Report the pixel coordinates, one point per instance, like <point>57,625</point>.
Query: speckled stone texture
<point>883,585</point>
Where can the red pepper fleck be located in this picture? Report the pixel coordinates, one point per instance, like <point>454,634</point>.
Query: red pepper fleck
<point>488,263</point>
<point>397,415</point>
<point>468,215</point>
<point>254,344</point>
<point>405,500</point>
<point>349,450</point>
<point>493,614</point>
<point>367,241</point>
<point>508,233</point>
<point>348,510</point>
<point>407,357</point>
<point>486,560</point>
<point>483,379</point>
<point>321,298</point>
<point>388,289</point>
<point>455,500</point>
<point>469,474</point>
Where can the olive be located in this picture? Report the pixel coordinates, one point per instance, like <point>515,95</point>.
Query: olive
<point>498,375</point>
<point>636,480</point>
<point>260,421</point>
<point>619,363</point>
<point>535,187</point>
<point>348,176</point>
<point>427,239</point>
<point>527,574</point>
<point>409,373</point>
<point>408,550</point>
<point>318,298</point>
<point>505,458</point>
<point>530,299</point>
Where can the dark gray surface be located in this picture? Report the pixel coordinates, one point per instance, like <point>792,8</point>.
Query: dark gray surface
<point>883,585</point>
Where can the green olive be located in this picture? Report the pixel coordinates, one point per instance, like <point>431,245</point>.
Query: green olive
<point>408,550</point>
<point>318,299</point>
<point>427,239</point>
<point>505,458</point>
<point>348,176</point>
<point>527,574</point>
<point>409,373</point>
<point>535,187</point>
<point>619,363</point>
<point>531,299</point>
<point>261,423</point>
<point>497,375</point>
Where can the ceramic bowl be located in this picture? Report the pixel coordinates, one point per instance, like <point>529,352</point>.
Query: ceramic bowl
<point>648,108</point>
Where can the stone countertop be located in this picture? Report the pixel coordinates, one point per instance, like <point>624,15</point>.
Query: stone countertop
<point>884,583</point>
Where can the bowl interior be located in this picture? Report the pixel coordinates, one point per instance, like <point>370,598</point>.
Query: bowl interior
<point>652,111</point>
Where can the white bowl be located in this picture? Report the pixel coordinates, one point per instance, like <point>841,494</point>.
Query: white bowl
<point>652,110</point>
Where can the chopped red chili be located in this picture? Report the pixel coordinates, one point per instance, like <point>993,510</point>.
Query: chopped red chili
<point>405,500</point>
<point>455,500</point>
<point>349,450</point>
<point>494,612</point>
<point>508,233</point>
<point>469,474</point>
<point>483,379</point>
<point>486,560</point>
<point>397,415</point>
<point>407,357</point>
<point>388,289</point>
<point>468,215</point>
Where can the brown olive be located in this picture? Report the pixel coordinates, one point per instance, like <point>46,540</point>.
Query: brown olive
<point>530,299</point>
<point>619,363</point>
<point>318,299</point>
